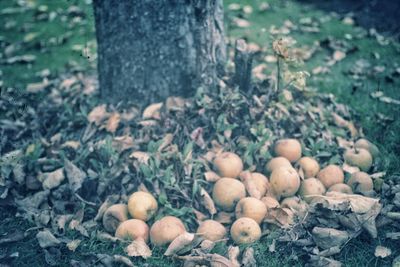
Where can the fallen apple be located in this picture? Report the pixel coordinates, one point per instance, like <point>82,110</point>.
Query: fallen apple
<point>358,157</point>
<point>361,182</point>
<point>133,229</point>
<point>285,182</point>
<point>228,164</point>
<point>227,192</point>
<point>288,148</point>
<point>211,230</point>
<point>331,175</point>
<point>309,166</point>
<point>245,231</point>
<point>276,163</point>
<point>114,216</point>
<point>311,187</point>
<point>251,207</point>
<point>142,206</point>
<point>342,188</point>
<point>165,230</point>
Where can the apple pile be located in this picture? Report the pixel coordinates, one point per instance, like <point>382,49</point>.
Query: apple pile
<point>292,184</point>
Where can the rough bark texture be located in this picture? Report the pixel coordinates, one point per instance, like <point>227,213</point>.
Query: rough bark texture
<point>243,64</point>
<point>151,49</point>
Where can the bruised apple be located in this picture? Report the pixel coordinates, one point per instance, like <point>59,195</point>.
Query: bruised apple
<point>311,187</point>
<point>227,192</point>
<point>309,166</point>
<point>361,182</point>
<point>142,205</point>
<point>211,230</point>
<point>342,188</point>
<point>228,164</point>
<point>165,230</point>
<point>285,182</point>
<point>251,207</point>
<point>359,157</point>
<point>331,175</point>
<point>133,229</point>
<point>245,231</point>
<point>288,148</point>
<point>278,162</point>
<point>114,216</point>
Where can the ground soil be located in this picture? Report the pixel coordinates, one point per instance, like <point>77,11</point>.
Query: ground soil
<point>378,14</point>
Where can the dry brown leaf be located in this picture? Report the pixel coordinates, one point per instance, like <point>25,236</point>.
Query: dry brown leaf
<point>241,23</point>
<point>250,185</point>
<point>199,215</point>
<point>233,255</point>
<point>167,140</point>
<point>123,260</point>
<point>106,237</point>
<point>98,115</point>
<point>46,239</point>
<point>224,217</point>
<point>217,260</point>
<point>51,180</point>
<point>382,252</point>
<point>282,217</point>
<point>179,243</point>
<point>148,123</point>
<point>122,143</point>
<point>211,176</point>
<point>340,122</point>
<point>113,122</point>
<point>72,144</point>
<point>207,201</point>
<point>350,169</point>
<point>338,55</point>
<point>175,103</point>
<point>110,200</point>
<point>138,248</point>
<point>197,137</point>
<point>248,258</point>
<point>73,245</point>
<point>326,238</point>
<point>153,111</point>
<point>142,157</point>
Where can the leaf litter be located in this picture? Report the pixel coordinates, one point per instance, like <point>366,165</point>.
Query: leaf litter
<point>168,150</point>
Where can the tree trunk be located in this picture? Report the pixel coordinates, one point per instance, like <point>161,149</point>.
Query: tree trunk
<point>151,49</point>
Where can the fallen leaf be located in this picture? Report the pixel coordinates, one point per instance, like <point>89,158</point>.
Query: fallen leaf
<point>338,55</point>
<point>123,260</point>
<point>75,175</point>
<point>180,242</point>
<point>175,103</point>
<point>12,237</point>
<point>98,115</point>
<point>46,239</point>
<point>326,238</point>
<point>233,255</point>
<point>113,122</point>
<point>53,179</point>
<point>122,143</point>
<point>73,245</point>
<point>241,23</point>
<point>153,111</point>
<point>138,248</point>
<point>211,176</point>
<point>382,252</point>
<point>208,201</point>
<point>142,157</point>
<point>248,258</point>
<point>250,184</point>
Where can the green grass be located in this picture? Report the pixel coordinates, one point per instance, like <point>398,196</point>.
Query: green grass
<point>58,57</point>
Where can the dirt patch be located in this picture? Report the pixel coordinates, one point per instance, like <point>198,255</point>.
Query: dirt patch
<point>381,15</point>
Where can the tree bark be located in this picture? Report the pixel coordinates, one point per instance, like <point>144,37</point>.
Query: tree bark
<point>151,49</point>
